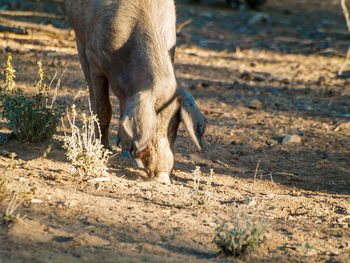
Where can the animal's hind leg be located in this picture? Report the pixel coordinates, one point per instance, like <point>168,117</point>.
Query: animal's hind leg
<point>99,94</point>
<point>86,68</point>
<point>101,106</point>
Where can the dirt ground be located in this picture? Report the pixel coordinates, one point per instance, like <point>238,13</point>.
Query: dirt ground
<point>256,82</point>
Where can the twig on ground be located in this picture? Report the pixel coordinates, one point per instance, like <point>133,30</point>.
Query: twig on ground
<point>222,163</point>
<point>289,174</point>
<point>29,13</point>
<point>47,28</point>
<point>257,169</point>
<point>182,25</point>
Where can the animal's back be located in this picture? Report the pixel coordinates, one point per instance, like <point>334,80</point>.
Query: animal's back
<point>118,17</point>
<point>84,15</point>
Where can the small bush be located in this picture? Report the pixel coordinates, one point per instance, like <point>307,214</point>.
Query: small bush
<point>238,236</point>
<point>9,216</point>
<point>31,119</point>
<point>201,196</point>
<point>4,191</point>
<point>84,148</point>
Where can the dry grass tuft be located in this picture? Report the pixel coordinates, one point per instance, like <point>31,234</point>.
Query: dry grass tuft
<point>83,146</point>
<point>201,196</point>
<point>9,216</point>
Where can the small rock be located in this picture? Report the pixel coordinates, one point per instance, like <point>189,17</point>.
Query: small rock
<point>99,179</point>
<point>196,86</point>
<point>322,154</point>
<point>343,127</point>
<point>291,139</point>
<point>258,78</point>
<point>321,81</point>
<point>191,12</point>
<point>247,76</point>
<point>206,15</point>
<point>285,81</point>
<point>234,84</point>
<point>275,79</point>
<point>308,108</point>
<point>205,84</point>
<point>36,201</point>
<point>255,104</point>
<point>226,115</point>
<point>251,76</point>
<point>287,11</point>
<point>199,85</point>
<point>271,142</point>
<point>258,19</point>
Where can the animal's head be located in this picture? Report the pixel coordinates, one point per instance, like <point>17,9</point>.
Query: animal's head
<point>148,134</point>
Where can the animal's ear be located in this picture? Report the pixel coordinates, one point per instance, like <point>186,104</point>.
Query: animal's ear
<point>192,118</point>
<point>138,124</point>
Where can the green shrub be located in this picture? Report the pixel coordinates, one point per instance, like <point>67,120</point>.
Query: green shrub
<point>237,236</point>
<point>31,119</point>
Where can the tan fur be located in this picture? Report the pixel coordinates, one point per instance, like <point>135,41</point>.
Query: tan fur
<point>127,46</point>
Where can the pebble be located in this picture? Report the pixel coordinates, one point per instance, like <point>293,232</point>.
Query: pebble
<point>191,12</point>
<point>226,115</point>
<point>285,81</point>
<point>271,142</point>
<point>308,108</point>
<point>196,86</point>
<point>321,81</point>
<point>258,19</point>
<point>251,76</point>
<point>344,127</point>
<point>206,15</point>
<point>36,201</point>
<point>255,104</point>
<point>291,139</point>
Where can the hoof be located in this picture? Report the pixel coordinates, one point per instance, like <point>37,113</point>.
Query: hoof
<point>126,155</point>
<point>163,178</point>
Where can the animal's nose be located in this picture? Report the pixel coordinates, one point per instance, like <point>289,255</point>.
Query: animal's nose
<point>138,163</point>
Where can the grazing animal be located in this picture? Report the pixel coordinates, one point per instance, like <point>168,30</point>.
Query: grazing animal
<point>128,46</point>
